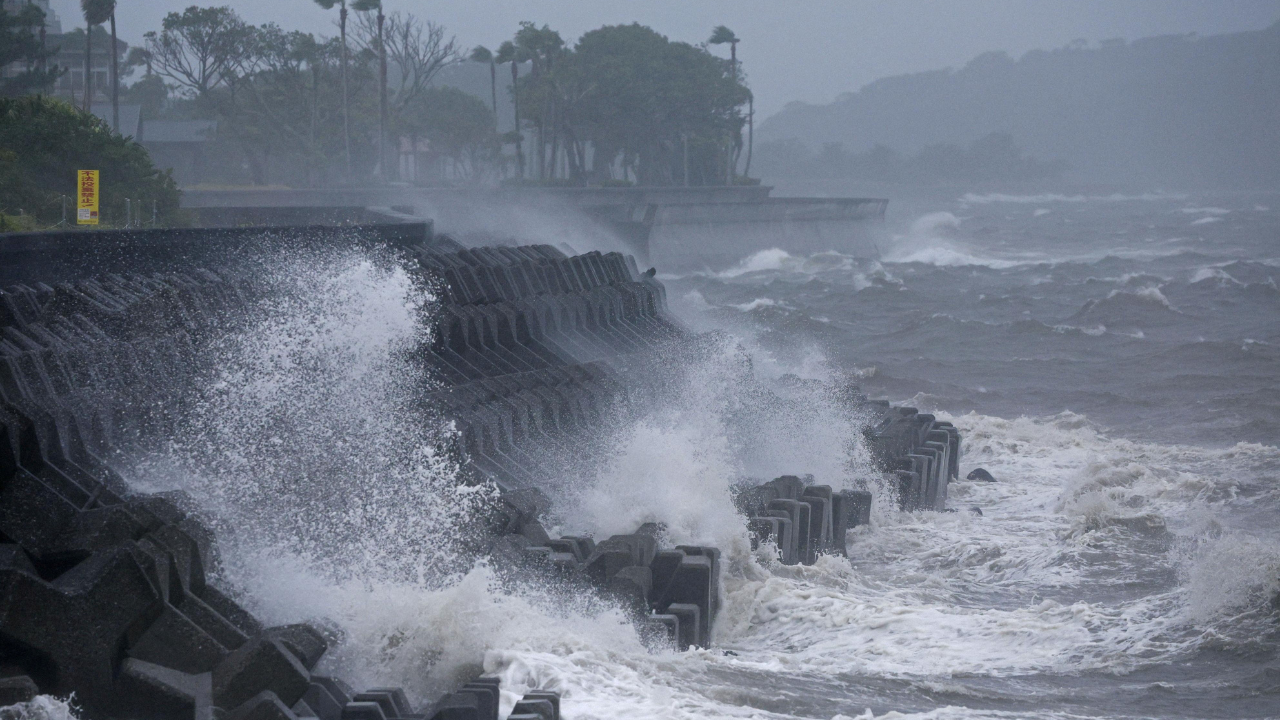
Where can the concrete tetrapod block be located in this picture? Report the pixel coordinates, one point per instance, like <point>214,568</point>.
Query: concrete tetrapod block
<point>156,691</point>
<point>173,640</point>
<point>393,702</point>
<point>799,514</point>
<point>819,525</point>
<point>618,552</point>
<point>79,621</point>
<point>260,664</point>
<point>363,710</point>
<point>551,697</point>
<point>670,625</point>
<point>786,535</point>
<point>538,707</point>
<point>690,625</point>
<point>692,584</point>
<point>634,586</point>
<point>263,706</point>
<point>764,529</point>
<point>488,696</point>
<point>306,643</point>
<point>712,554</point>
<point>322,702</point>
<point>457,706</point>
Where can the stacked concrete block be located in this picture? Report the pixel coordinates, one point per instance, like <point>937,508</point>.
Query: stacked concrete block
<point>801,519</point>
<point>672,593</point>
<point>919,452</point>
<point>105,595</point>
<point>104,592</point>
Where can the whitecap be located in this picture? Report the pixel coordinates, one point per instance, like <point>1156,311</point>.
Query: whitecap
<point>758,303</point>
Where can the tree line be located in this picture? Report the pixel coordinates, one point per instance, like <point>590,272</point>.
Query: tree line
<point>624,104</point>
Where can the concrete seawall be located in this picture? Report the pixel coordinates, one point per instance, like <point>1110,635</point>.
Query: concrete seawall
<point>675,228</point>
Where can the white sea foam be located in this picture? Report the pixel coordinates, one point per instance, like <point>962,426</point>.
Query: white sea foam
<point>758,303</point>
<point>1206,220</point>
<point>1150,294</point>
<point>930,239</point>
<point>1205,211</point>
<point>1214,273</point>
<point>770,259</point>
<point>987,198</point>
<point>1041,212</point>
<point>42,707</point>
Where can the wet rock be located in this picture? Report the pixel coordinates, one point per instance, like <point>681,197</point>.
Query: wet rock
<point>979,475</point>
<point>976,510</point>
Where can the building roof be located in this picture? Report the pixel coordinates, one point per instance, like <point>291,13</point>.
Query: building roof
<point>178,131</point>
<point>130,118</point>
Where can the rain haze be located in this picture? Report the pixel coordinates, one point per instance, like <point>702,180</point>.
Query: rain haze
<point>666,360</point>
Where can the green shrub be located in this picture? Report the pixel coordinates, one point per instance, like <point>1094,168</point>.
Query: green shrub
<point>44,141</point>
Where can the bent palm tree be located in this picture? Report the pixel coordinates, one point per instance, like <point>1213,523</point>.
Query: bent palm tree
<point>95,12</point>
<point>510,52</point>
<point>722,35</point>
<point>482,55</point>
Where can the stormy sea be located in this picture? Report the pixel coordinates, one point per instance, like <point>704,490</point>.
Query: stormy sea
<point>1113,361</point>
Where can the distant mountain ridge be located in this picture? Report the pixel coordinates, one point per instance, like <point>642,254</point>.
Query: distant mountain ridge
<point>1170,110</point>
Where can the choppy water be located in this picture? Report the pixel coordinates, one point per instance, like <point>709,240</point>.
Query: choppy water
<point>1113,360</point>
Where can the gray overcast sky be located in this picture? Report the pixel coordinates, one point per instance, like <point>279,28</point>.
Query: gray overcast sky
<point>809,50</point>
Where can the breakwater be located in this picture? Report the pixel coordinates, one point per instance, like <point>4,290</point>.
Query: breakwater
<point>113,594</point>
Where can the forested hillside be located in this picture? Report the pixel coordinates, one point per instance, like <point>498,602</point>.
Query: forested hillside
<point>1170,111</point>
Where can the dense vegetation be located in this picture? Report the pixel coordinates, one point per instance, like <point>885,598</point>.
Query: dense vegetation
<point>43,142</point>
<point>624,104</point>
<point>20,47</point>
<point>1166,111</point>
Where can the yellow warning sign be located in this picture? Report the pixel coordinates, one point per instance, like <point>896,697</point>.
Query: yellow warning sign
<point>87,191</point>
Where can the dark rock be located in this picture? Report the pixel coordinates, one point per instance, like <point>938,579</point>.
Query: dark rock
<point>979,475</point>
<point>976,510</point>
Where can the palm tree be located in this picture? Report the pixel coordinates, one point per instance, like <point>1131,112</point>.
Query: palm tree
<point>722,35</point>
<point>346,108</point>
<point>364,6</point>
<point>482,55</point>
<point>95,12</point>
<point>509,52</point>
